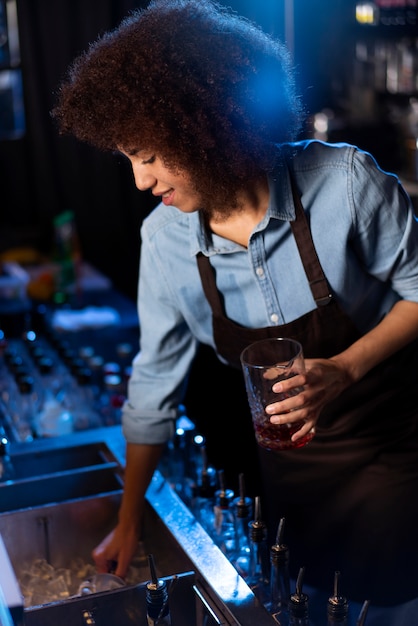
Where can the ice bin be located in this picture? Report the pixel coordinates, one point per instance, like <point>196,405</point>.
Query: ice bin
<point>47,461</point>
<point>77,506</point>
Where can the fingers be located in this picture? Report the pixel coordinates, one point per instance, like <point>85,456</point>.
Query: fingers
<point>307,428</point>
<point>105,564</point>
<point>107,557</point>
<point>115,552</point>
<point>288,385</point>
<point>122,565</point>
<point>294,403</point>
<point>103,558</point>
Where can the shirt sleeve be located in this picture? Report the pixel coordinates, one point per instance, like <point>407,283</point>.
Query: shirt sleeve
<point>386,238</point>
<point>167,348</point>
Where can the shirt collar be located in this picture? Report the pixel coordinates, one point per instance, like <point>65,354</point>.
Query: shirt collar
<point>280,207</point>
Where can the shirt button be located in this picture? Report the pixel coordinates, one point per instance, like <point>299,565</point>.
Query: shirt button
<point>274,318</point>
<point>260,272</point>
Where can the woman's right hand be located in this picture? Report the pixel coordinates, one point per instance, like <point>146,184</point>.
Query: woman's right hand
<point>115,553</point>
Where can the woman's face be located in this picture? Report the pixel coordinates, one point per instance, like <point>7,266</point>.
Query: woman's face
<point>174,187</point>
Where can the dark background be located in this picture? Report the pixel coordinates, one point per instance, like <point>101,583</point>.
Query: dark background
<point>42,175</point>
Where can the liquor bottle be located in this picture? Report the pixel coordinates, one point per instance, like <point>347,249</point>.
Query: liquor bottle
<point>243,511</point>
<point>7,471</point>
<point>26,408</point>
<point>337,607</point>
<point>112,399</point>
<point>203,498</point>
<point>224,523</point>
<point>172,465</point>
<point>279,578</point>
<point>85,402</point>
<point>8,384</point>
<point>259,576</point>
<point>156,597</point>
<point>66,256</point>
<point>299,604</point>
<point>191,454</point>
<point>177,462</point>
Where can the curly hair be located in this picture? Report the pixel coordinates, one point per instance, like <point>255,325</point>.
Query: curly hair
<point>202,87</point>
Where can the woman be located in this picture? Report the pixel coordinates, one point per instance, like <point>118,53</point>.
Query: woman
<point>258,235</point>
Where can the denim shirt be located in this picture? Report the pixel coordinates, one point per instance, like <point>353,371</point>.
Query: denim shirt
<point>366,237</point>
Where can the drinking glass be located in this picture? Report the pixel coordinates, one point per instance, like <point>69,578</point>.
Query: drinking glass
<point>265,363</point>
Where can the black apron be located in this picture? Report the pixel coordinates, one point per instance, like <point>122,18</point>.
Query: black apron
<point>350,497</point>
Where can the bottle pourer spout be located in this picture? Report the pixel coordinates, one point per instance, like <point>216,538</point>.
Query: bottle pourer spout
<point>363,613</point>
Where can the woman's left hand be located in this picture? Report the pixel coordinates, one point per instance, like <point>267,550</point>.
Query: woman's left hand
<point>323,381</point>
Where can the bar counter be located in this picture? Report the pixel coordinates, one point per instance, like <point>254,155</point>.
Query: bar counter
<point>178,542</point>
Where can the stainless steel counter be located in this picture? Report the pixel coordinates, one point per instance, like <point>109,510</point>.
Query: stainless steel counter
<point>171,532</point>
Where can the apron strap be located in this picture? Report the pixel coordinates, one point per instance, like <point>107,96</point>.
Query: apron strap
<point>212,294</point>
<point>302,233</point>
<point>314,273</point>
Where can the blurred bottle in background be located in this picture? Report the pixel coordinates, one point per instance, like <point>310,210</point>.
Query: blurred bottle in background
<point>67,257</point>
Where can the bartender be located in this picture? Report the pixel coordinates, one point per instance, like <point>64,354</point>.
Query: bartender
<point>261,233</point>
